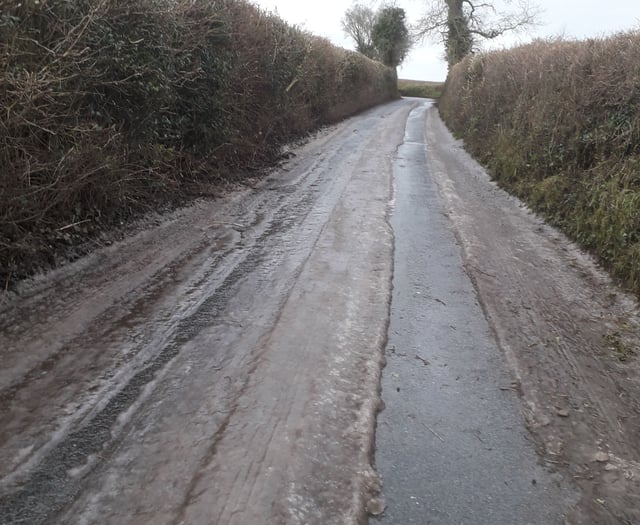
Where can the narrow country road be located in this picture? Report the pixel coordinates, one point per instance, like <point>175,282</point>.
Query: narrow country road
<point>226,364</point>
<point>452,446</point>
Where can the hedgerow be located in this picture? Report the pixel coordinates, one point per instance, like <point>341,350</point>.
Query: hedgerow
<point>111,108</point>
<point>558,124</point>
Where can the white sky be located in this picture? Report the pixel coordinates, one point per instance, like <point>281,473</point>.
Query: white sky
<point>568,18</point>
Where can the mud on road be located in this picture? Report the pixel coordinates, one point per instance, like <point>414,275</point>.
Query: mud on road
<point>220,367</point>
<point>223,365</point>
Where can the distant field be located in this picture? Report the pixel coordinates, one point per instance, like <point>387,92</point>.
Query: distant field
<point>420,88</point>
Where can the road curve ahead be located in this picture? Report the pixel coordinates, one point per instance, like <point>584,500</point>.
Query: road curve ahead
<point>222,366</point>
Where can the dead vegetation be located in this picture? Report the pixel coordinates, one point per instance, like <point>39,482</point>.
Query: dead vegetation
<point>558,124</point>
<point>111,108</point>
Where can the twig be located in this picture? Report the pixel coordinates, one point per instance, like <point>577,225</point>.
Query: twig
<point>290,86</point>
<point>40,127</point>
<point>434,433</point>
<point>72,225</point>
<point>6,284</point>
<point>554,462</point>
<point>426,363</point>
<point>234,225</point>
<point>482,272</point>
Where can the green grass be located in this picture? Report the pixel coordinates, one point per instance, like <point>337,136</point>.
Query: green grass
<point>420,88</point>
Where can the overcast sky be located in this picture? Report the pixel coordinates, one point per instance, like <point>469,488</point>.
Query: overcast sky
<point>571,18</point>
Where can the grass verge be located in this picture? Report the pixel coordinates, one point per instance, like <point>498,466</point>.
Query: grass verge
<point>558,124</point>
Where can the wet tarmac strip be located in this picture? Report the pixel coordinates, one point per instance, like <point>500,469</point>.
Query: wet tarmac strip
<point>451,443</point>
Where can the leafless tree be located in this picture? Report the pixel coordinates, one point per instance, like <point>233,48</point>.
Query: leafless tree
<point>463,23</point>
<point>358,22</point>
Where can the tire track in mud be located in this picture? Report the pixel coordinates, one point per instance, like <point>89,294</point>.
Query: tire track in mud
<point>74,451</point>
<point>300,415</point>
<point>58,472</point>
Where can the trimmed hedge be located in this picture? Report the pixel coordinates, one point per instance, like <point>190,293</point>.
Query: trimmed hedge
<point>558,124</point>
<point>115,107</point>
